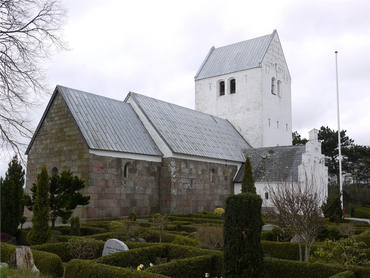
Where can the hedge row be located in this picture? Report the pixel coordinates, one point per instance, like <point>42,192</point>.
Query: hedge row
<point>285,250</point>
<point>84,230</point>
<point>277,268</point>
<point>364,237</point>
<point>345,274</point>
<point>91,269</point>
<point>47,263</point>
<point>196,220</point>
<point>361,213</point>
<point>197,260</point>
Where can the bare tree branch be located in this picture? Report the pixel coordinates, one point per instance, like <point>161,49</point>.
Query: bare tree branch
<point>297,207</point>
<point>30,32</point>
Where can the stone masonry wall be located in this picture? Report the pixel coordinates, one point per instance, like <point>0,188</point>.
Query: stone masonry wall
<point>58,144</point>
<point>115,195</point>
<point>211,184</point>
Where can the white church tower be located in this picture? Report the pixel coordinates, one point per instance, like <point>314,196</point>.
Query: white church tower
<point>249,84</point>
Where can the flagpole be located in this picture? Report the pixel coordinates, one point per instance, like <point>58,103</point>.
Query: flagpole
<point>339,142</point>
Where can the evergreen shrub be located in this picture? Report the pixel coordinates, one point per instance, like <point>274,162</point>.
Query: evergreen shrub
<point>364,237</point>
<point>243,253</point>
<point>181,240</point>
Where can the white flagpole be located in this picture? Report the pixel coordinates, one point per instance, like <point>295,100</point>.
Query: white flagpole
<point>339,143</point>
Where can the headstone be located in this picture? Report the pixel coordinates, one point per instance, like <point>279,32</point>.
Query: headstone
<point>22,258</point>
<point>113,246</point>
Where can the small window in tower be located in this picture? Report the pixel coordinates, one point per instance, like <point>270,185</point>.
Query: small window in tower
<point>273,86</point>
<point>277,124</point>
<point>279,88</point>
<point>286,127</point>
<point>232,86</point>
<point>222,88</point>
<point>266,195</point>
<point>269,122</point>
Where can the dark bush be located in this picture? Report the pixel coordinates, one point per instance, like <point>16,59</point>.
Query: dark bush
<point>99,224</point>
<point>243,253</point>
<point>364,237</point>
<point>75,226</point>
<point>5,237</point>
<point>267,235</point>
<point>22,237</point>
<point>6,251</point>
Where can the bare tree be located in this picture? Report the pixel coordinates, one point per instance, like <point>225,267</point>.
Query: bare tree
<point>30,32</point>
<point>297,207</point>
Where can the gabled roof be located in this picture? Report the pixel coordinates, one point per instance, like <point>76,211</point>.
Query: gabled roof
<point>105,124</point>
<point>274,163</point>
<point>186,131</point>
<point>234,57</point>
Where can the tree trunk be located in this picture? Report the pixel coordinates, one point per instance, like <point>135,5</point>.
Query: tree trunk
<point>307,251</point>
<point>22,258</point>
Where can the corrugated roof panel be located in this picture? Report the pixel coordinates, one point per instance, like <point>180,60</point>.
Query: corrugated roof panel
<point>187,131</point>
<point>108,124</point>
<point>234,57</point>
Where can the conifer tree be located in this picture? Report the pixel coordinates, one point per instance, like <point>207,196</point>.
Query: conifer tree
<point>12,197</point>
<point>40,230</point>
<point>248,180</point>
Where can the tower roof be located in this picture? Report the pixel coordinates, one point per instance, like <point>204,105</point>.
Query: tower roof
<point>234,57</point>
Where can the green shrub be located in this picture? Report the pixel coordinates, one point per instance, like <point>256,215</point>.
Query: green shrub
<point>345,274</point>
<point>85,248</point>
<point>362,212</point>
<point>132,216</point>
<point>363,237</point>
<point>181,240</point>
<point>185,268</point>
<point>75,226</point>
<point>6,251</point>
<point>88,269</point>
<point>267,235</point>
<point>48,263</point>
<point>346,228</point>
<point>100,224</point>
<point>86,230</point>
<point>243,253</point>
<point>329,232</point>
<point>281,250</point>
<point>59,249</point>
<point>219,211</point>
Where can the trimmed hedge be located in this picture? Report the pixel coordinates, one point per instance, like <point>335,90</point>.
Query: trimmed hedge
<point>195,220</point>
<point>345,274</point>
<point>277,268</point>
<point>212,264</point>
<point>47,263</point>
<point>91,269</point>
<point>185,268</point>
<point>281,250</point>
<point>61,249</point>
<point>361,213</point>
<point>364,237</point>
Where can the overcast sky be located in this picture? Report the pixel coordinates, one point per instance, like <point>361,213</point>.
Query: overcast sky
<point>156,47</point>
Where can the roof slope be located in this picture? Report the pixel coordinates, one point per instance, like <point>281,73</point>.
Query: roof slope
<point>186,131</point>
<point>106,124</point>
<point>234,57</point>
<point>274,163</point>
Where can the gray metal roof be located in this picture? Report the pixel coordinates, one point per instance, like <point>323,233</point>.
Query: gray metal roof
<point>234,57</point>
<point>274,163</point>
<point>106,124</point>
<point>186,131</point>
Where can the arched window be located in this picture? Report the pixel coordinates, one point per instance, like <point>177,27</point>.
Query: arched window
<point>212,175</point>
<point>221,88</point>
<point>279,88</point>
<point>54,171</point>
<point>273,86</point>
<point>232,86</point>
<point>126,169</point>
<point>266,195</point>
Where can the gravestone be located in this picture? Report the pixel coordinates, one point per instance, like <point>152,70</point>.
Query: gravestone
<point>113,246</point>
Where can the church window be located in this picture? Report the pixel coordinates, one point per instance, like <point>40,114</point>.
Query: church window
<point>277,124</point>
<point>232,86</point>
<point>279,88</point>
<point>269,122</point>
<point>54,171</point>
<point>222,88</point>
<point>273,86</point>
<point>266,195</point>
<point>286,127</point>
<point>126,169</point>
